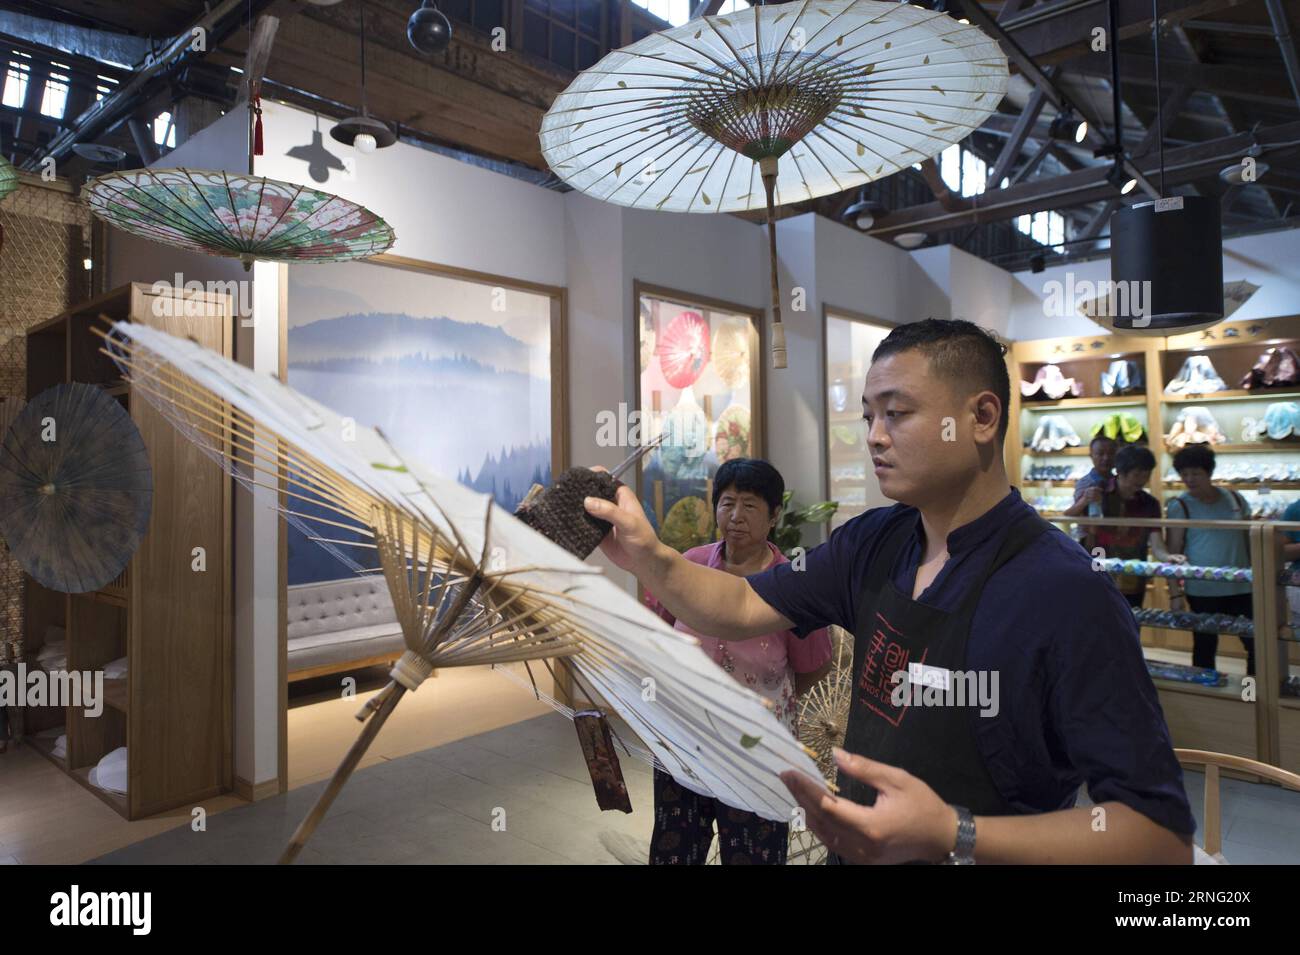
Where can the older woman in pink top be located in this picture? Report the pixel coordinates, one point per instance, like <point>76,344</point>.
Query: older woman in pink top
<point>779,666</point>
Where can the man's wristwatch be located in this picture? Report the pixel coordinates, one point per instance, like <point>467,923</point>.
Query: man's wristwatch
<point>963,852</point>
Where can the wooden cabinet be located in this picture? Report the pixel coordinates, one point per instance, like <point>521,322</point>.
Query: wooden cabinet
<point>169,613</point>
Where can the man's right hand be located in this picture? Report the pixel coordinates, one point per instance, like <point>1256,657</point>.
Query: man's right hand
<point>632,544</point>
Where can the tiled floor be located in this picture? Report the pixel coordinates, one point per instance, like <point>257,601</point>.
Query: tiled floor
<point>46,817</point>
<point>521,794</point>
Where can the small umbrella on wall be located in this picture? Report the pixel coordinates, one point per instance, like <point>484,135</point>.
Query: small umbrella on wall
<point>772,105</point>
<point>244,217</point>
<point>76,488</point>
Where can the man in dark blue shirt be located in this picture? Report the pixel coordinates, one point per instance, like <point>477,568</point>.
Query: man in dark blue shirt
<point>994,670</point>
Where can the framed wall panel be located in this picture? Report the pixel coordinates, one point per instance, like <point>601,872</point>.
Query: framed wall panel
<point>699,378</point>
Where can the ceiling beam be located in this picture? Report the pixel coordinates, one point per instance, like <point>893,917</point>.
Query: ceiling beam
<point>1236,82</point>
<point>1060,30</point>
<point>120,105</point>
<point>705,8</point>
<point>1087,185</point>
<point>1019,133</point>
<point>934,179</point>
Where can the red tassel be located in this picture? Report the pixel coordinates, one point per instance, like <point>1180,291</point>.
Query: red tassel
<point>257,127</point>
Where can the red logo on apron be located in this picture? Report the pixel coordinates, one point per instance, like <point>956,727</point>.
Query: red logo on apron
<point>886,655</point>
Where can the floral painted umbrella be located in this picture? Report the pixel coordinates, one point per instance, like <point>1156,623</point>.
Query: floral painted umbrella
<point>774,104</point>
<point>684,349</point>
<point>244,217</point>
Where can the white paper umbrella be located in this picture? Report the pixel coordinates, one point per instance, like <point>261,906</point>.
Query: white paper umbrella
<point>771,105</point>
<point>472,583</point>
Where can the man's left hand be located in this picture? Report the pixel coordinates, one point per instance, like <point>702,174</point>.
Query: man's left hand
<point>908,823</point>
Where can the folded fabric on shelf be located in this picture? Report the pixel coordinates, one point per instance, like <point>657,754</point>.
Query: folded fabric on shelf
<point>1197,622</point>
<point>1277,368</point>
<point>1054,433</point>
<point>1183,673</point>
<point>1147,568</point>
<point>1282,420</point>
<point>1120,426</point>
<point>1194,425</point>
<point>1050,382</point>
<point>116,670</point>
<point>1122,377</point>
<point>110,772</point>
<point>1196,377</point>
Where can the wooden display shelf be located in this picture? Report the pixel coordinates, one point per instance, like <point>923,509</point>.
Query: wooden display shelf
<point>116,800</point>
<point>1251,447</point>
<point>117,694</point>
<point>1229,691</point>
<point>1244,485</point>
<point>45,747</point>
<point>1233,394</point>
<point>1084,404</point>
<point>1031,482</point>
<point>173,710</point>
<point>1079,452</point>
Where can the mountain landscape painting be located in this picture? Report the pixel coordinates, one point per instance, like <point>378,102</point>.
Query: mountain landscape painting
<point>455,373</point>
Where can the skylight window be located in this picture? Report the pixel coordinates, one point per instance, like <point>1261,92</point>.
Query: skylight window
<point>15,83</point>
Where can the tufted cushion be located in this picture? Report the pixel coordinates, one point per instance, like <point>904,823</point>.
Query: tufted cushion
<point>337,621</point>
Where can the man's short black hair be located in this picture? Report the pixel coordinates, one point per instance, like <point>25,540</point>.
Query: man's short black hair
<point>1134,458</point>
<point>958,351</point>
<point>1101,437</point>
<point>1195,456</point>
<point>750,474</point>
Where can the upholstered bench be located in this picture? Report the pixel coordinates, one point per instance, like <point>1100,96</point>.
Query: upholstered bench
<point>341,625</point>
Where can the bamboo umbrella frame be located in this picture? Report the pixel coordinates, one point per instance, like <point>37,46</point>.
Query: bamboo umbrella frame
<point>454,605</point>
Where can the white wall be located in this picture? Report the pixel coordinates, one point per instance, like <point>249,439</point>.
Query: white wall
<point>442,210</point>
<point>1270,260</point>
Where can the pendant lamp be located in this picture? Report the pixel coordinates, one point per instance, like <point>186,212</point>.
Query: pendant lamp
<point>363,132</point>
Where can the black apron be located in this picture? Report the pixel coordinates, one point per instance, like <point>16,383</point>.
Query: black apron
<point>937,744</point>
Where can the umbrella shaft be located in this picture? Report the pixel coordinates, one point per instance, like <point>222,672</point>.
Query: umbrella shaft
<point>342,774</point>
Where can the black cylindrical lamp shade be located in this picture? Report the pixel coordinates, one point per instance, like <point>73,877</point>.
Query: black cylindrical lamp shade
<point>1179,250</point>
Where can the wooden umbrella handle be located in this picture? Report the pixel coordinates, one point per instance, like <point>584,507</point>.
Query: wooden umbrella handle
<point>341,775</point>
<point>767,168</point>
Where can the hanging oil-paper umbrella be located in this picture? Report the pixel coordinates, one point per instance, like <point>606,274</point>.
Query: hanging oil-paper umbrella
<point>244,217</point>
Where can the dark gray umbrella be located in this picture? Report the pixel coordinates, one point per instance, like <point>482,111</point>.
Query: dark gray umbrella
<point>75,488</point>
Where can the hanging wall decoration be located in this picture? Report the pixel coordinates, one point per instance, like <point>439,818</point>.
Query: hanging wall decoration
<point>684,349</point>
<point>243,217</point>
<point>76,488</point>
<point>770,105</point>
<point>701,390</point>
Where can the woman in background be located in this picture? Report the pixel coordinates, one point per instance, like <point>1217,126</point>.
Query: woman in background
<point>747,497</point>
<point>1205,547</point>
<point>1125,497</point>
